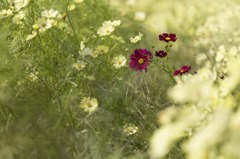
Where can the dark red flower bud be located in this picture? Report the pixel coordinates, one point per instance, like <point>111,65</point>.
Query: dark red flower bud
<point>161,54</point>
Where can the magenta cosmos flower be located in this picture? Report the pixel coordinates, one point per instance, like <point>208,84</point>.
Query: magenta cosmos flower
<point>167,37</point>
<point>182,71</point>
<point>161,54</point>
<point>140,59</point>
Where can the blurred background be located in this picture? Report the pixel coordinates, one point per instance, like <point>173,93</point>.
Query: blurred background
<point>42,120</point>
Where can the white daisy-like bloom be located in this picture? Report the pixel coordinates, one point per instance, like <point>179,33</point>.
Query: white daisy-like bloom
<point>198,146</point>
<point>108,27</point>
<point>31,36</point>
<point>18,4</point>
<point>17,19</point>
<point>105,30</point>
<point>86,52</point>
<point>79,65</point>
<point>116,23</point>
<point>130,129</point>
<point>140,16</point>
<point>194,90</point>
<point>44,24</point>
<point>71,7</point>
<point>50,13</point>
<point>102,49</point>
<point>119,61</point>
<point>136,38</point>
<point>78,1</point>
<point>5,13</point>
<point>206,74</point>
<point>89,104</point>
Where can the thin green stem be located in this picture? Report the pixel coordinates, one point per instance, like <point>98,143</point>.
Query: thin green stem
<point>74,31</point>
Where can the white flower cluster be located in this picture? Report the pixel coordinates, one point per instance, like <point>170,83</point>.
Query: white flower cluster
<point>209,112</point>
<point>118,61</point>
<point>108,27</point>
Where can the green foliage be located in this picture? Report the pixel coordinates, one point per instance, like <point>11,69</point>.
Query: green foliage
<point>41,92</point>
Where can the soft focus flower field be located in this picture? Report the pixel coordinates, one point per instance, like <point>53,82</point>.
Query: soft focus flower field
<point>113,79</point>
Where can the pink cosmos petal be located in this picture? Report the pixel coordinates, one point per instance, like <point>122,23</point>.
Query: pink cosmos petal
<point>176,72</point>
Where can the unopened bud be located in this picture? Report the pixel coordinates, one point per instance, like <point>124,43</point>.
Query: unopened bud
<point>35,26</point>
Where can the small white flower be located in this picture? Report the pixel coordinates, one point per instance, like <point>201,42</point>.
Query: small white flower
<point>116,23</point>
<point>33,76</point>
<point>108,27</point>
<point>102,49</point>
<point>136,38</point>
<point>17,19</point>
<point>31,36</point>
<point>50,13</point>
<point>89,104</point>
<point>119,61</point>
<point>130,129</point>
<point>71,7</point>
<point>79,65</point>
<point>86,52</point>
<point>141,16</point>
<point>18,4</point>
<point>5,13</point>
<point>44,24</point>
<point>105,30</point>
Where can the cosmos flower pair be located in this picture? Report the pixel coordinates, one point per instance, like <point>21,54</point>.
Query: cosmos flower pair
<point>165,37</point>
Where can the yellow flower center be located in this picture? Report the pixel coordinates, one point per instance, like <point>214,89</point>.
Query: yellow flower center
<point>131,130</point>
<point>107,31</point>
<point>49,14</point>
<point>5,14</point>
<point>79,66</point>
<point>89,105</point>
<point>64,15</point>
<point>203,76</point>
<point>140,61</point>
<point>119,62</point>
<point>43,25</point>
<point>167,38</point>
<point>101,50</point>
<point>181,70</point>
